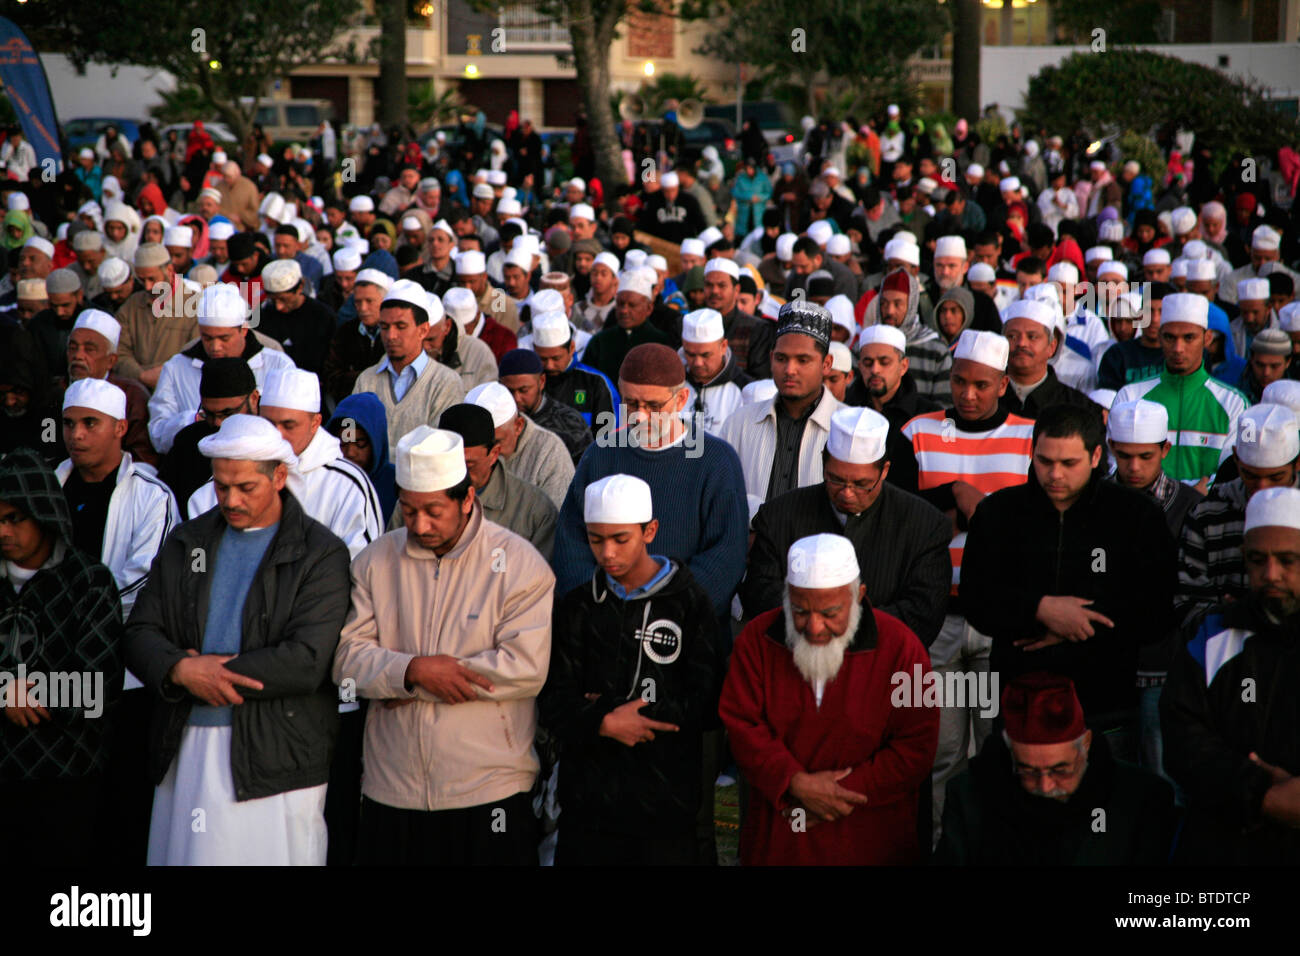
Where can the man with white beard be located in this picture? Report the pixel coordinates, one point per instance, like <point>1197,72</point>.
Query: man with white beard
<point>834,769</point>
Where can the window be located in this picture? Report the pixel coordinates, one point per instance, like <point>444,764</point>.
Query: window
<point>301,116</point>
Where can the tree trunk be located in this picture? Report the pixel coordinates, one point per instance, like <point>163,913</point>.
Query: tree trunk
<point>591,30</point>
<point>392,63</point>
<point>966,15</point>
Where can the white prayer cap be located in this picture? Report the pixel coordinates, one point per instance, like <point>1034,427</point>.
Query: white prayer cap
<point>1105,397</point>
<point>101,322</point>
<point>1009,185</point>
<point>218,157</point>
<point>976,170</point>
<point>950,247</point>
<point>1265,239</point>
<point>520,257</point>
<point>617,499</point>
<point>1112,268</point>
<point>839,245</point>
<point>1047,293</point>
<point>1288,317</point>
<point>375,277</point>
<point>1097,164</point>
<point>784,246</point>
<point>1112,230</point>
<point>892,109</point>
<point>986,348</point>
<point>669,179</point>
<point>470,263</point>
<point>33,289</point>
<point>266,160</point>
<point>710,236</point>
<point>635,258</point>
<point>430,459</point>
<point>901,249</point>
<point>443,226</point>
<point>702,327</point>
<point>63,281</point>
<point>1268,436</point>
<point>821,232</point>
<point>511,207</point>
<point>822,562</point>
<point>248,438</point>
<point>1178,268</point>
<point>657,262</point>
<point>281,275</point>
<point>1183,219</point>
<point>841,357</point>
<point>291,388</point>
<point>982,272</point>
<point>1156,257</point>
<point>833,171</point>
<point>640,281</point>
<point>841,309</point>
<point>551,330</point>
<point>581,211</point>
<point>210,193</point>
<point>87,240</point>
<point>113,272</point>
<point>908,236</point>
<point>461,305</point>
<point>761,390</point>
<point>346,259</point>
<point>179,236</point>
<point>1252,289</point>
<point>608,260</point>
<point>1138,423</point>
<point>223,306</point>
<point>726,266</point>
<point>1098,252</point>
<point>925,184</point>
<point>1273,508</point>
<point>693,247</point>
<point>496,177</point>
<point>881,334</point>
<point>274,207</point>
<point>406,292</point>
<point>361,204</point>
<point>1061,272</point>
<point>857,435</point>
<point>1196,249</point>
<point>411,224</point>
<point>221,231</point>
<point>41,245</point>
<point>1034,310</point>
<point>545,300</point>
<point>1202,270</point>
<point>578,183</point>
<point>496,398</point>
<point>19,201</point>
<point>1285,391</point>
<point>98,394</point>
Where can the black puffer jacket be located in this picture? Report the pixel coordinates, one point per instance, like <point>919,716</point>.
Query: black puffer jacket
<point>283,734</point>
<point>660,646</point>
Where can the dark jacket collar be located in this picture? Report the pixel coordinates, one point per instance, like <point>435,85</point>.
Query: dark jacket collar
<point>288,545</point>
<point>251,347</point>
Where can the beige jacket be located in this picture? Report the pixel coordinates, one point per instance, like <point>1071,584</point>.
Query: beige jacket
<point>487,602</point>
<point>147,340</point>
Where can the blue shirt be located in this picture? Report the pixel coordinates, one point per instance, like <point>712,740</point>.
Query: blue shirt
<point>625,595</point>
<point>238,557</point>
<point>402,382</point>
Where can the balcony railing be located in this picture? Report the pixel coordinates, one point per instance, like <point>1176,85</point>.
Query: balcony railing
<point>527,29</point>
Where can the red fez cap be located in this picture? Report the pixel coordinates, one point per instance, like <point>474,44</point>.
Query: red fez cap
<point>653,364</point>
<point>1042,709</point>
<point>897,281</point>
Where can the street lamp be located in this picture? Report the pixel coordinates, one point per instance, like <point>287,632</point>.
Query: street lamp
<point>471,71</point>
<point>649,68</point>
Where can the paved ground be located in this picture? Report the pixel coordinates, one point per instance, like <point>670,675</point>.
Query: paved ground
<point>726,821</point>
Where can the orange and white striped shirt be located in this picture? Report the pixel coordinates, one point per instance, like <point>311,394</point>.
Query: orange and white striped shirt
<point>989,460</point>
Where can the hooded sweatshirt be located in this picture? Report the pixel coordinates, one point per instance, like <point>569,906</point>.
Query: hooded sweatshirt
<point>965,300</point>
<point>929,360</point>
<point>367,411</point>
<point>69,622</point>
<point>121,212</point>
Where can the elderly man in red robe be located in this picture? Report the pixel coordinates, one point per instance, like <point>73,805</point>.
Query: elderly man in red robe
<point>834,769</point>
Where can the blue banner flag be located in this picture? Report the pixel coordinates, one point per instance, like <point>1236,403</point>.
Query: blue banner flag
<point>28,89</point>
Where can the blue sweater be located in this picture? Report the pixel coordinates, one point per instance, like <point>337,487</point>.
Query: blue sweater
<point>699,501</point>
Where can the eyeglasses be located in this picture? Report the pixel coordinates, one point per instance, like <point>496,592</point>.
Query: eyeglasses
<point>632,405</point>
<point>836,483</point>
<point>1058,773</point>
<point>221,414</point>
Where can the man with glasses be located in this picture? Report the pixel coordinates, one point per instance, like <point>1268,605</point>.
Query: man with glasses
<point>1034,794</point>
<point>227,387</point>
<point>901,541</point>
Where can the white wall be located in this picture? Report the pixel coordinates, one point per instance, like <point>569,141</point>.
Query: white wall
<point>128,95</point>
<point>1005,70</point>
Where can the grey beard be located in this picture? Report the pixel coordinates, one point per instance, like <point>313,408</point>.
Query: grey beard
<point>819,662</point>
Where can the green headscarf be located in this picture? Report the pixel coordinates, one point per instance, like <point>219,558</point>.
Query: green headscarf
<point>940,139</point>
<point>19,218</point>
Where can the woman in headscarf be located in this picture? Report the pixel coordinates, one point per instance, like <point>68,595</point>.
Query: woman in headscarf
<point>153,229</point>
<point>18,228</point>
<point>199,227</point>
<point>92,215</point>
<point>150,202</point>
<point>1214,226</point>
<point>920,143</point>
<point>964,141</point>
<point>752,143</point>
<point>941,141</point>
<point>198,141</point>
<point>111,190</point>
<point>121,231</point>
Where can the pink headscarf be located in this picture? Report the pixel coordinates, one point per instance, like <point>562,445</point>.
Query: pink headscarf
<point>1219,232</point>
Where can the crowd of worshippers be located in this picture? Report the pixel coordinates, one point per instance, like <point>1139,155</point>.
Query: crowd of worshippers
<point>951,520</point>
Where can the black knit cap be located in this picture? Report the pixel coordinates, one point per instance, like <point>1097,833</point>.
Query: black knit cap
<point>473,423</point>
<point>241,245</point>
<point>520,362</point>
<point>226,378</point>
<point>808,318</point>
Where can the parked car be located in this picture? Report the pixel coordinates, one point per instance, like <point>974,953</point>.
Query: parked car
<point>292,121</point>
<point>775,119</point>
<point>451,131</point>
<point>86,130</point>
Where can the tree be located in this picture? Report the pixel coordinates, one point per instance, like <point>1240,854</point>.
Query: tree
<point>1124,21</point>
<point>860,47</point>
<point>966,42</point>
<point>229,51</point>
<point>392,62</point>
